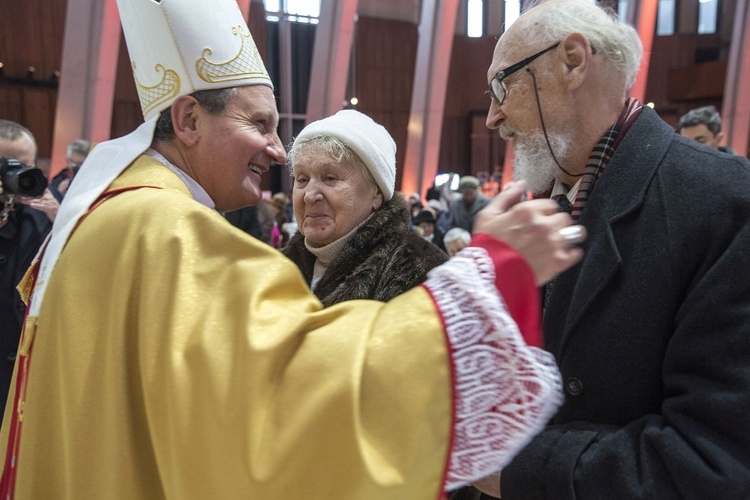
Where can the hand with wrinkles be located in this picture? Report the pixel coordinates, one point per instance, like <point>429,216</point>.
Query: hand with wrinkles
<point>533,229</point>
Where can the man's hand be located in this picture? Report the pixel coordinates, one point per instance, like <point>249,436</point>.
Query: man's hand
<point>533,229</point>
<point>47,203</point>
<point>64,185</point>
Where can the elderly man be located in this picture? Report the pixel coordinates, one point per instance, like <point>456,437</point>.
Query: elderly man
<point>455,240</point>
<point>703,125</point>
<point>169,354</point>
<point>465,209</point>
<point>651,330</point>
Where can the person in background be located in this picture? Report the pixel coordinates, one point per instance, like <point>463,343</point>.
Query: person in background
<point>77,152</point>
<point>280,204</point>
<point>466,207</point>
<point>442,215</point>
<point>354,240</point>
<point>425,220</point>
<point>248,220</point>
<point>168,354</point>
<point>455,240</point>
<point>257,220</point>
<point>415,204</point>
<point>22,232</point>
<point>703,125</point>
<point>651,330</point>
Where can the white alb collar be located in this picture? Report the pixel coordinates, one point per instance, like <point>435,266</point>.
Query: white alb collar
<point>199,194</point>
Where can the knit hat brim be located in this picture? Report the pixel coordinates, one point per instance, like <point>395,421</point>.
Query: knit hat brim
<point>368,139</point>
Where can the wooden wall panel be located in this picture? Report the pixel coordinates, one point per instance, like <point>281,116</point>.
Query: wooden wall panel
<point>39,114</point>
<point>674,55</point>
<point>31,35</point>
<point>466,98</point>
<point>257,23</point>
<point>10,103</point>
<point>385,54</point>
<point>126,112</point>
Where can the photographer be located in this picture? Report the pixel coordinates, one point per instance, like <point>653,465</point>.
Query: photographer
<point>24,223</point>
<point>77,152</point>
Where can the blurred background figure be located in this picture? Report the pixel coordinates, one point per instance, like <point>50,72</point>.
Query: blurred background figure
<point>77,152</point>
<point>281,206</point>
<point>442,215</point>
<point>258,220</point>
<point>354,240</point>
<point>426,221</point>
<point>455,240</point>
<point>703,125</point>
<point>466,207</point>
<point>415,204</point>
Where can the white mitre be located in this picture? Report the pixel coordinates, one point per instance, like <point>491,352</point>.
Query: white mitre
<point>176,47</point>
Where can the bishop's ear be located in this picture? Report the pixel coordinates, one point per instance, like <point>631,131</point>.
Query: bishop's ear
<point>185,114</point>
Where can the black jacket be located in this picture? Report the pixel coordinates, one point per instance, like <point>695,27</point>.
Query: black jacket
<point>651,331</point>
<point>383,259</point>
<point>20,240</point>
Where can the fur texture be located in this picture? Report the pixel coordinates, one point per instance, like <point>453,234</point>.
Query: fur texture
<point>383,259</point>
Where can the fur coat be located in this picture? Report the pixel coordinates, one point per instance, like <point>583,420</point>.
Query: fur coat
<point>382,260</point>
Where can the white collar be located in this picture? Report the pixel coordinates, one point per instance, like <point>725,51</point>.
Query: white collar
<point>559,188</point>
<point>199,194</point>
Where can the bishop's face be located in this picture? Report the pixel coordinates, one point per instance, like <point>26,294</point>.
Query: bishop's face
<point>236,147</point>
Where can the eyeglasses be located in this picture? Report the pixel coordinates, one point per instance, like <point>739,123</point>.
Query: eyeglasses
<point>497,88</point>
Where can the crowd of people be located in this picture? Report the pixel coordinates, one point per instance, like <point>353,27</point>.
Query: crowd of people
<point>349,342</point>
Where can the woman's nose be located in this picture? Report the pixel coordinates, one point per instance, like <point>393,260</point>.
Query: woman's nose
<point>312,192</point>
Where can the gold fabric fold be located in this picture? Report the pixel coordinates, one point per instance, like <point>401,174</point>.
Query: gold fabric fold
<point>177,357</point>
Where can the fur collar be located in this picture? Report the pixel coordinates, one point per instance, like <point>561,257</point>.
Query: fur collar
<point>383,259</point>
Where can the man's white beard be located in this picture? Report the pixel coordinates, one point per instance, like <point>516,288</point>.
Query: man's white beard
<point>533,161</point>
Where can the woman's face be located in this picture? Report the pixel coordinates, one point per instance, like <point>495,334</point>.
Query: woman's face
<point>330,198</point>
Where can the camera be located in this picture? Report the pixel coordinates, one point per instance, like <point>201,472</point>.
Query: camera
<point>19,178</point>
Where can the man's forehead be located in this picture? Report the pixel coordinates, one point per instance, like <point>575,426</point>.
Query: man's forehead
<point>21,149</point>
<point>503,56</point>
<point>698,130</point>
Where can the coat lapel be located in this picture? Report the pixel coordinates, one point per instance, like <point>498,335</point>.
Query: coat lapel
<point>618,194</point>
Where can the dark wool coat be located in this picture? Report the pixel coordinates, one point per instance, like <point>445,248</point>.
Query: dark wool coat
<point>383,259</point>
<point>651,331</point>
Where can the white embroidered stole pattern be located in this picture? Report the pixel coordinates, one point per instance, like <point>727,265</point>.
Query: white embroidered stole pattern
<point>505,391</point>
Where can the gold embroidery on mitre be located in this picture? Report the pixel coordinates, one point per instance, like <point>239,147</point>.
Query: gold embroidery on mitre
<point>246,64</point>
<point>163,91</point>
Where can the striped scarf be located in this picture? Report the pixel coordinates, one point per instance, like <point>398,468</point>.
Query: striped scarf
<point>602,153</point>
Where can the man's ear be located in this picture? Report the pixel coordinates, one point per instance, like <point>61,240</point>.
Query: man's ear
<point>577,53</point>
<point>185,115</point>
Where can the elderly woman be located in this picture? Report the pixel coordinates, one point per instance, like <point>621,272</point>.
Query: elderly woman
<point>354,240</point>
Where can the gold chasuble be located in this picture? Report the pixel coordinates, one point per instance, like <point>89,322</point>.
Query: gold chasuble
<point>177,357</point>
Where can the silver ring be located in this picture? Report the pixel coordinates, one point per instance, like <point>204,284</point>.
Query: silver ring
<point>572,235</point>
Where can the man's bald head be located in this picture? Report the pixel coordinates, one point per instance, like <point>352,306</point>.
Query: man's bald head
<point>552,20</point>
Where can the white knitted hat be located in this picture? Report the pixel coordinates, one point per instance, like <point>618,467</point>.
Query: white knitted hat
<point>371,141</point>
